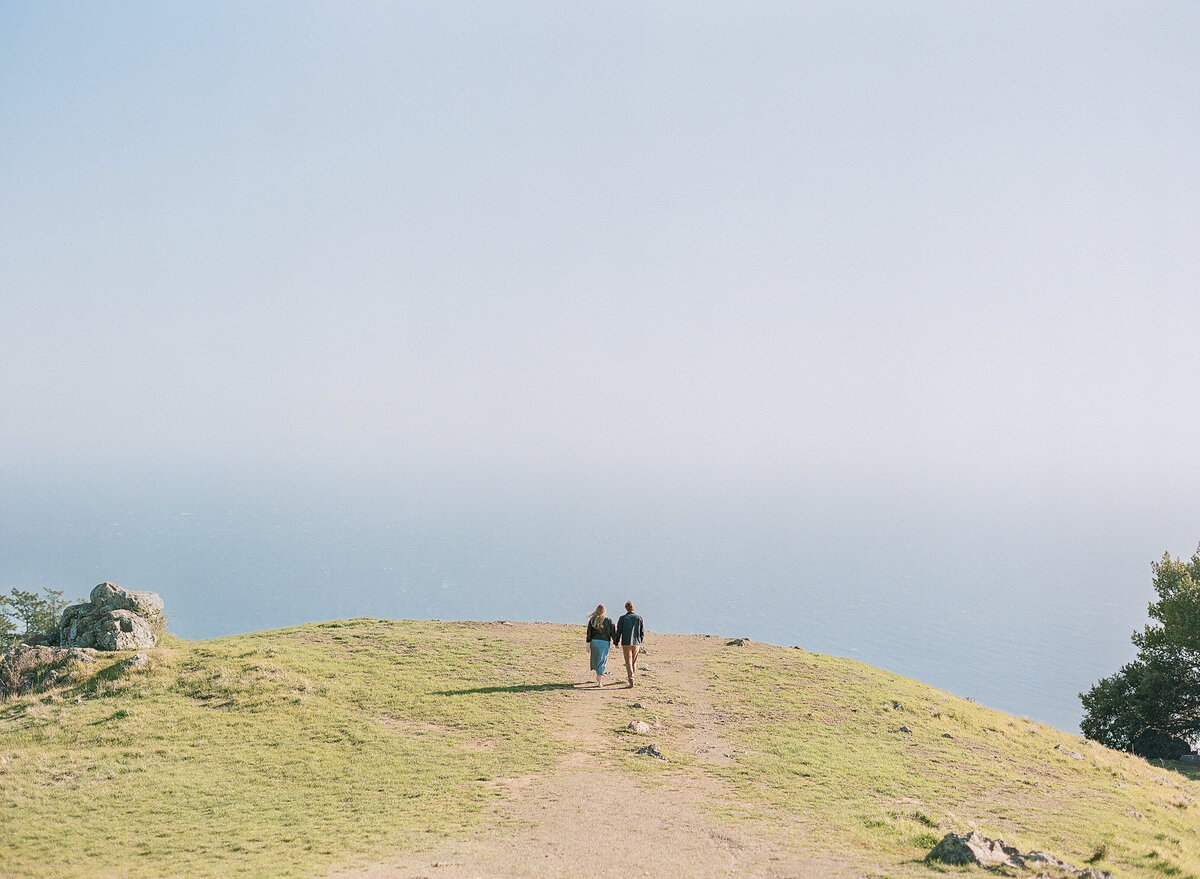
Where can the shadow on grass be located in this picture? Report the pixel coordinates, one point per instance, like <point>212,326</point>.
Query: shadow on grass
<point>1187,770</point>
<point>14,712</point>
<point>94,685</point>
<point>516,688</point>
<point>120,714</point>
<point>933,866</point>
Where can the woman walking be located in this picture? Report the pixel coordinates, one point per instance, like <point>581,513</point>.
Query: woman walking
<point>601,633</point>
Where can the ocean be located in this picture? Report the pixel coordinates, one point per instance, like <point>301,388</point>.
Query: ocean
<point>1018,597</point>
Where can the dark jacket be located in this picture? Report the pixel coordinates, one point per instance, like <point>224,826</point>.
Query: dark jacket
<point>629,629</point>
<point>605,632</point>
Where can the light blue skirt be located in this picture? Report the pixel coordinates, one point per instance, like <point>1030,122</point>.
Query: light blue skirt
<point>599,655</point>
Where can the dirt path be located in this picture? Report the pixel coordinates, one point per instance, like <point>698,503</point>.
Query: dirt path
<point>590,815</point>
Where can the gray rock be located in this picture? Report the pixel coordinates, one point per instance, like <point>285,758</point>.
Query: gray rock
<point>1044,860</point>
<point>738,642</point>
<point>114,619</point>
<point>1074,755</point>
<point>124,630</point>
<point>975,848</point>
<point>652,751</point>
<point>639,726</point>
<point>138,660</point>
<point>75,628</point>
<point>114,597</point>
<point>71,616</point>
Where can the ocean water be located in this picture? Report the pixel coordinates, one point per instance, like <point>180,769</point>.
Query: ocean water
<point>1018,598</point>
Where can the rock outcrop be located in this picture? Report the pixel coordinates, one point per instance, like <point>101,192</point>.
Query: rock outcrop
<point>975,848</point>
<point>112,619</point>
<point>28,668</point>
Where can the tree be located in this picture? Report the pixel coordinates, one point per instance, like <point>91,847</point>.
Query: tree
<point>1152,705</point>
<point>7,629</point>
<point>36,613</point>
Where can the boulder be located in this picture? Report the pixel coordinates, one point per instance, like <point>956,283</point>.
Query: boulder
<point>974,848</point>
<point>123,630</point>
<point>977,849</point>
<point>71,625</point>
<point>639,726</point>
<point>114,619</point>
<point>114,597</point>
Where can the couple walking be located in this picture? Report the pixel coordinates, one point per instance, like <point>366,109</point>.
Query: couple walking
<point>601,632</point>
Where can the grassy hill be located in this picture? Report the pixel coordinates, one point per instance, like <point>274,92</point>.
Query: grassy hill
<point>380,748</point>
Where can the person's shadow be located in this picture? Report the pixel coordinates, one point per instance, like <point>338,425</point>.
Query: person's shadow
<point>516,688</point>
<point>615,684</point>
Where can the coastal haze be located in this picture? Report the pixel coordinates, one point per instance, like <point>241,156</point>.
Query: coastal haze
<point>865,329</point>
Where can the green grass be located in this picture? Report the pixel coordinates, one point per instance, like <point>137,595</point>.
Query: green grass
<point>294,752</point>
<point>826,750</point>
<point>277,753</point>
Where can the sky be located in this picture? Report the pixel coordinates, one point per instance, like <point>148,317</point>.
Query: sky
<point>952,241</point>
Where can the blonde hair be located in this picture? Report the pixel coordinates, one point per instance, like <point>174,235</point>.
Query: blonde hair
<point>597,616</point>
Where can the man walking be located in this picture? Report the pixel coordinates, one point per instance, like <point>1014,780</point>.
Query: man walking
<point>629,636</point>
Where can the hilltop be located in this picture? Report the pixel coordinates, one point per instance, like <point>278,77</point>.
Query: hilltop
<point>366,749</point>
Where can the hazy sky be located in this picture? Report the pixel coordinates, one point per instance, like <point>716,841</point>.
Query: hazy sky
<point>953,239</point>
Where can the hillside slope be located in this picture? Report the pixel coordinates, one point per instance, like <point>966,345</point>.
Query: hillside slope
<point>371,748</point>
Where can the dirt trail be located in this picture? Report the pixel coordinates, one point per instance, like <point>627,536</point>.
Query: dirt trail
<point>586,816</point>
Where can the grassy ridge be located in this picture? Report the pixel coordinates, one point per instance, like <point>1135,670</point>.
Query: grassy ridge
<point>290,752</point>
<point>275,753</point>
<point>827,746</point>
